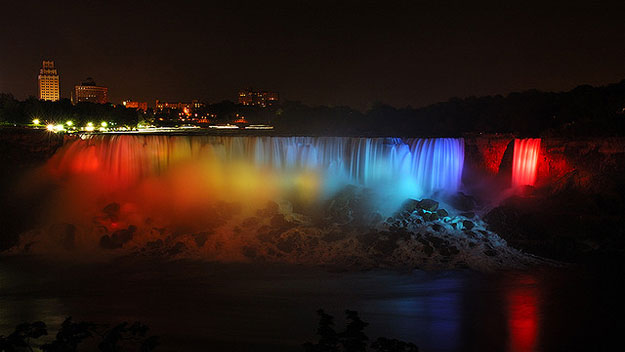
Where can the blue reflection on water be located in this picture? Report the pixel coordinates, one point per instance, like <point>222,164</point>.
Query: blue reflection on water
<point>428,312</point>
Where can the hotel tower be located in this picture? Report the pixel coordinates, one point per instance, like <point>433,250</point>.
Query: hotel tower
<point>48,82</point>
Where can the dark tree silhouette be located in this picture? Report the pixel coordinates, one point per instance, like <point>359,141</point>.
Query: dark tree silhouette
<point>353,339</point>
<point>69,336</point>
<point>19,340</point>
<point>72,334</point>
<point>383,344</point>
<point>328,339</point>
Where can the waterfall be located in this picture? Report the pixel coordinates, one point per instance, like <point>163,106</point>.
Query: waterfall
<point>407,167</point>
<point>525,161</point>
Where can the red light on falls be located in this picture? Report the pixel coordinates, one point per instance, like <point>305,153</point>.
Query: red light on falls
<point>525,161</point>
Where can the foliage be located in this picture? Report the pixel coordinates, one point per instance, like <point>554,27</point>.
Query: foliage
<point>383,344</point>
<point>69,336</point>
<point>118,338</point>
<point>328,338</point>
<point>23,112</point>
<point>19,340</point>
<point>583,111</point>
<point>353,339</point>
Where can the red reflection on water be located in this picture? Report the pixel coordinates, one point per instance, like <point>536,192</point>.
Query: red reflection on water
<point>523,316</point>
<point>525,161</point>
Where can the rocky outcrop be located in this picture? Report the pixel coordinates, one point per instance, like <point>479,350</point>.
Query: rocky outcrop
<point>351,234</point>
<point>570,226</point>
<point>118,238</point>
<point>22,147</point>
<point>588,164</point>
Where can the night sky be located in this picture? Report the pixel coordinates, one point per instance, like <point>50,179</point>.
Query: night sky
<point>334,53</point>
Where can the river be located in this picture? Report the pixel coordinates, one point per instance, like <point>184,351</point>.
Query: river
<point>196,305</point>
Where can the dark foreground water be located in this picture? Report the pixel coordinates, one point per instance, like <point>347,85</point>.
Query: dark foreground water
<point>196,306</point>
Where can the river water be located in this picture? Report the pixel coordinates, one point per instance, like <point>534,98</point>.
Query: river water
<point>195,306</point>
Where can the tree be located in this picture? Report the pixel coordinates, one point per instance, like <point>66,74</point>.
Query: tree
<point>353,339</point>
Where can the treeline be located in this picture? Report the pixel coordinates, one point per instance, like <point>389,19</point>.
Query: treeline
<point>583,111</point>
<point>13,111</point>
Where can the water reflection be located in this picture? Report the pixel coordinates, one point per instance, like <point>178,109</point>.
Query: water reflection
<point>429,310</point>
<point>196,304</point>
<point>523,312</point>
<point>444,324</point>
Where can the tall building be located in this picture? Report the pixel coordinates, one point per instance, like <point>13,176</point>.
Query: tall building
<point>252,97</point>
<point>88,91</point>
<point>48,82</point>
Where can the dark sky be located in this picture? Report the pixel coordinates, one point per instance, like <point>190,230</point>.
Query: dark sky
<point>319,52</point>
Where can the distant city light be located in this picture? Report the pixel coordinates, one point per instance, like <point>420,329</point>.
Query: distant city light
<point>224,127</point>
<point>50,127</point>
<point>259,127</point>
<point>89,127</point>
<point>36,121</point>
<point>69,123</point>
<point>104,124</point>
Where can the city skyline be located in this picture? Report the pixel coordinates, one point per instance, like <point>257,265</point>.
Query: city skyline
<point>319,53</point>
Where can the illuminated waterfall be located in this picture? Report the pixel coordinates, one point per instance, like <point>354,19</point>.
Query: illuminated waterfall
<point>406,167</point>
<point>525,161</point>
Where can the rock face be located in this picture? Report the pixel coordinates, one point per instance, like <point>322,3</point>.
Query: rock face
<point>118,238</point>
<point>21,150</point>
<point>428,204</point>
<point>462,201</point>
<point>112,211</point>
<point>586,164</point>
<point>419,235</point>
<point>442,213</point>
<point>573,212</point>
<point>21,147</point>
<point>350,234</point>
<point>569,226</point>
<point>351,205</point>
